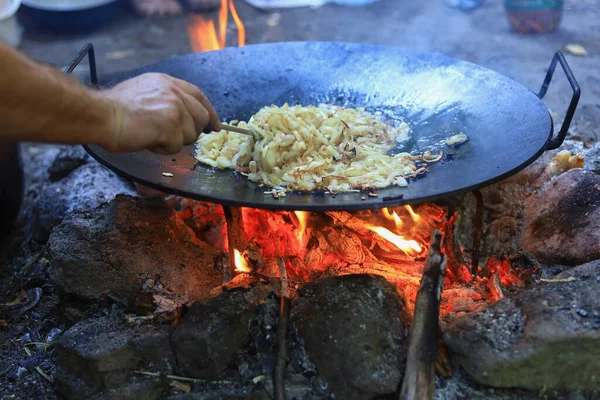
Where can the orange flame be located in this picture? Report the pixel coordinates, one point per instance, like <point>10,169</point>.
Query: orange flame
<point>302,219</point>
<point>415,217</point>
<point>240,262</point>
<point>392,217</point>
<point>407,246</point>
<point>239,25</point>
<point>340,242</point>
<point>203,35</point>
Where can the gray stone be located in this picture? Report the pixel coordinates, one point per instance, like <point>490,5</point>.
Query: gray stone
<point>545,336</point>
<point>213,332</point>
<point>354,331</point>
<point>85,188</point>
<point>587,127</point>
<point>592,159</point>
<point>67,160</point>
<point>138,387</point>
<point>100,355</point>
<point>505,205</point>
<point>37,159</point>
<point>562,220</point>
<point>461,386</point>
<point>226,393</point>
<point>118,246</point>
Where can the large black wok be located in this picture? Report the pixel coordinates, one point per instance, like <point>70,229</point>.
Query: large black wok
<point>508,125</point>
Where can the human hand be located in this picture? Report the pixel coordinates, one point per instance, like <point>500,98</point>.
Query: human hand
<point>158,112</point>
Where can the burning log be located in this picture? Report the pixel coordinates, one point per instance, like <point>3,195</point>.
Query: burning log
<point>455,259</point>
<point>419,377</point>
<point>410,233</point>
<point>493,285</point>
<point>253,255</point>
<point>348,220</point>
<point>346,245</point>
<point>380,246</point>
<point>235,232</point>
<point>284,315</point>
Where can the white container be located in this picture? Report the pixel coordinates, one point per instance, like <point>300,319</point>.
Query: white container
<point>10,30</point>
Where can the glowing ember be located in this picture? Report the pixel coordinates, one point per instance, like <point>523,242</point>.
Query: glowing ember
<point>203,35</point>
<point>392,243</point>
<point>240,262</point>
<point>507,275</point>
<point>407,246</point>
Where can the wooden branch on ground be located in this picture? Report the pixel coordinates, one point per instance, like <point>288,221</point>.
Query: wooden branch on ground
<point>284,314</point>
<point>419,377</point>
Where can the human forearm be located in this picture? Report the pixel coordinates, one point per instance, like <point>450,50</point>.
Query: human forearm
<point>151,111</point>
<point>39,103</point>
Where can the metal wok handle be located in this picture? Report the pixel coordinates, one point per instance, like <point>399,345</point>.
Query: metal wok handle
<point>88,50</point>
<point>556,141</point>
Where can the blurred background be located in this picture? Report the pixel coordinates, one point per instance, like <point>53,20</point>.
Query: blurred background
<point>515,37</point>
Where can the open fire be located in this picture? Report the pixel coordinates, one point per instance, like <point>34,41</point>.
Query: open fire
<point>391,242</point>
<point>203,34</point>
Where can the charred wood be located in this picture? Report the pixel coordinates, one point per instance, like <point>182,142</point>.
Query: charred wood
<point>253,255</point>
<point>236,238</point>
<point>284,315</point>
<point>443,366</point>
<point>454,256</point>
<point>346,219</point>
<point>419,377</point>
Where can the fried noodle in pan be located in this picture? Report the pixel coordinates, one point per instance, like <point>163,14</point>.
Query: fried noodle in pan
<point>307,148</point>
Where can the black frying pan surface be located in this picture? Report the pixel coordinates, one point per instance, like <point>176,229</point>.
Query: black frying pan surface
<point>507,124</point>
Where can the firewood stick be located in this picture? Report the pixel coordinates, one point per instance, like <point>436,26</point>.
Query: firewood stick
<point>284,314</point>
<point>476,233</point>
<point>454,258</point>
<point>419,377</point>
<point>235,234</point>
<point>443,366</point>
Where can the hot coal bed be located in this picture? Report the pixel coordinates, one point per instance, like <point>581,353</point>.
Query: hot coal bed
<point>119,291</point>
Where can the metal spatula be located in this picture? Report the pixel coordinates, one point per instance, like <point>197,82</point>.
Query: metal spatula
<point>239,130</point>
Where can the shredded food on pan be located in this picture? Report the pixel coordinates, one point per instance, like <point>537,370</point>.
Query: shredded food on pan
<point>309,148</point>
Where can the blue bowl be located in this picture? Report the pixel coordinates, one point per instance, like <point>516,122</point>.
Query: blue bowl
<point>71,18</point>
